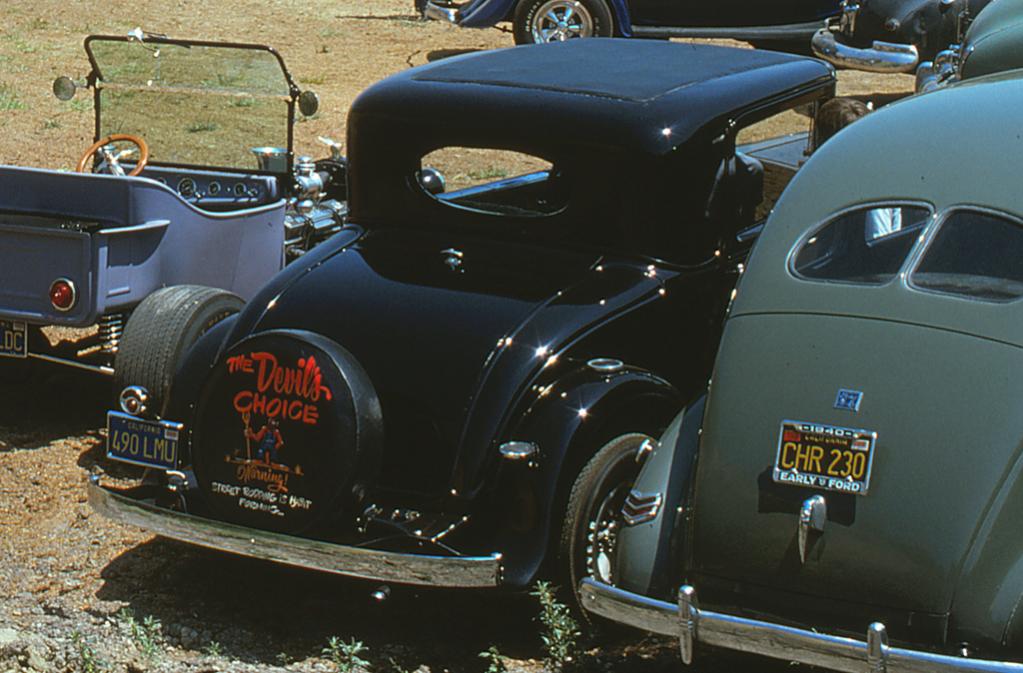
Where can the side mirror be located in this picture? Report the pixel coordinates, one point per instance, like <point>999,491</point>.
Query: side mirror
<point>308,103</point>
<point>64,88</point>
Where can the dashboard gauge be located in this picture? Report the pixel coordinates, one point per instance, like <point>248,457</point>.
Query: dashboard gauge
<point>186,187</point>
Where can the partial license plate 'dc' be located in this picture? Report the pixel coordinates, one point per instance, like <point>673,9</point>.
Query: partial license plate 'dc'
<point>142,442</point>
<point>825,457</point>
<point>13,339</point>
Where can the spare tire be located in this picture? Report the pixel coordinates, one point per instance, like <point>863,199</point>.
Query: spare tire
<point>287,422</point>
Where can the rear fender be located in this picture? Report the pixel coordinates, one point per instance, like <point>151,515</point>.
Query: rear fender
<point>987,609</point>
<point>569,423</point>
<point>651,554</point>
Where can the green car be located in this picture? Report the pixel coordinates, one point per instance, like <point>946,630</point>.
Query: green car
<point>849,494</point>
<point>993,43</point>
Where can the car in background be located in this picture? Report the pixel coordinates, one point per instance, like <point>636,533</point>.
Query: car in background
<point>847,495</point>
<point>992,44</point>
<point>784,24</point>
<point>426,397</point>
<point>893,36</point>
<point>188,201</point>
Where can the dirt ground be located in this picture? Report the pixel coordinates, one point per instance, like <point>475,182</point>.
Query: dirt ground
<point>78,593</point>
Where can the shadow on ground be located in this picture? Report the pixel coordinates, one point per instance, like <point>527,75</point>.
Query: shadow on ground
<point>40,403</point>
<point>259,612</point>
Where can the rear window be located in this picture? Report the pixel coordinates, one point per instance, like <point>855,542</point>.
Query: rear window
<point>974,254</point>
<point>867,245</point>
<point>496,181</point>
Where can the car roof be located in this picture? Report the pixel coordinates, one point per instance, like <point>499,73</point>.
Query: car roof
<point>961,146</point>
<point>642,95</point>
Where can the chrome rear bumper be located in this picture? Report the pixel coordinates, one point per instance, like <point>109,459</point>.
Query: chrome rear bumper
<point>883,57</point>
<point>385,566</point>
<point>687,622</point>
<point>432,11</point>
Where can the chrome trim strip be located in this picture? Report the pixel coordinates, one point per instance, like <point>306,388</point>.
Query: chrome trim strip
<point>385,566</point>
<point>794,31</point>
<point>884,57</point>
<point>774,640</point>
<point>438,13</point>
<point>95,369</point>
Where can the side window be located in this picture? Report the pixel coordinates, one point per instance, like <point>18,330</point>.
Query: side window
<point>494,181</point>
<point>974,254</point>
<point>867,245</point>
<point>779,143</point>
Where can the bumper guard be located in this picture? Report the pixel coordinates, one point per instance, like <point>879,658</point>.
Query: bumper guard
<point>439,13</point>
<point>883,57</point>
<point>687,622</point>
<point>384,566</point>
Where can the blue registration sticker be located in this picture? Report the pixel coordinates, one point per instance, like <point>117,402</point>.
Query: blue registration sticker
<point>13,339</point>
<point>143,442</point>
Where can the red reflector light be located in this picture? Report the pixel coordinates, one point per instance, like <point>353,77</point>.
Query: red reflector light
<point>62,294</point>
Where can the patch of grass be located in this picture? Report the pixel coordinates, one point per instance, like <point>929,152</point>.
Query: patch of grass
<point>88,660</point>
<point>488,173</point>
<point>560,631</point>
<point>243,102</point>
<point>345,654</point>
<point>25,47</point>
<point>284,659</point>
<point>145,634</point>
<point>315,80</point>
<point>8,99</point>
<point>202,127</point>
<point>212,649</point>
<point>38,23</point>
<point>79,105</point>
<point>495,662</point>
<point>51,124</point>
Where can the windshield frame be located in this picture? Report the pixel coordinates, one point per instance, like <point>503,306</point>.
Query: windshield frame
<point>95,76</point>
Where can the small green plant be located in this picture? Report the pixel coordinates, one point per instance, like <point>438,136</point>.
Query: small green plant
<point>345,655</point>
<point>560,631</point>
<point>145,634</point>
<point>80,105</point>
<point>488,173</point>
<point>212,649</point>
<point>202,127</point>
<point>8,99</point>
<point>283,658</point>
<point>88,661</point>
<point>51,124</point>
<point>495,662</point>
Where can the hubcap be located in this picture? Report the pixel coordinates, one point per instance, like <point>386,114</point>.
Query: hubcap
<point>602,534</point>
<point>560,20</point>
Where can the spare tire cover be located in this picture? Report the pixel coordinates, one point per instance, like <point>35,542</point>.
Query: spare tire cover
<point>285,423</point>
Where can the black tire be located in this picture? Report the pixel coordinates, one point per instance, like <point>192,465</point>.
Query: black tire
<point>594,512</point>
<point>161,330</point>
<point>527,12</point>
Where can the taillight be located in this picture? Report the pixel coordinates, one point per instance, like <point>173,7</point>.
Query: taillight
<point>63,294</point>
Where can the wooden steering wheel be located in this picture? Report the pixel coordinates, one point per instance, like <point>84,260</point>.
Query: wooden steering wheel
<point>135,140</point>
